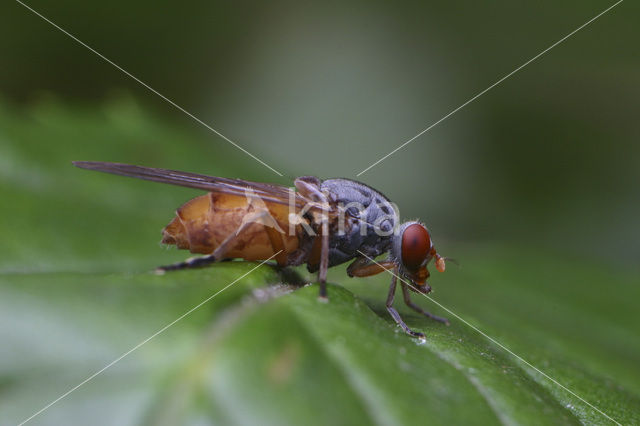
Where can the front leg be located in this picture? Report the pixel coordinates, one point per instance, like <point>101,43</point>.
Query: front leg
<point>363,267</point>
<point>409,303</point>
<point>394,314</point>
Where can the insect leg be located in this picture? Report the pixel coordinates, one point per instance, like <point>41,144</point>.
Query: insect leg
<point>194,262</point>
<point>363,267</point>
<point>278,244</point>
<point>324,264</point>
<point>200,262</point>
<point>311,187</point>
<point>418,309</point>
<point>395,315</point>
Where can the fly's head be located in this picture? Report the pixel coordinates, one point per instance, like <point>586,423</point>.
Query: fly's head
<point>412,250</point>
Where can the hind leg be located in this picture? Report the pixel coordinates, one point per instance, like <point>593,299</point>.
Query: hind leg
<point>191,263</point>
<point>200,262</point>
<point>218,254</point>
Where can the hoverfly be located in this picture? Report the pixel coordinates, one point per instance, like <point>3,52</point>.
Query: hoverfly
<point>322,223</point>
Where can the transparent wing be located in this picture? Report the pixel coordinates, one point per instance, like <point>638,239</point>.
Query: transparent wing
<point>267,192</point>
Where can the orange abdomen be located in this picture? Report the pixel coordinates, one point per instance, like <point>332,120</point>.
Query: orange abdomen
<point>204,222</point>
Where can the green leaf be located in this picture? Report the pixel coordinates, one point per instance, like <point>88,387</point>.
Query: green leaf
<point>76,293</point>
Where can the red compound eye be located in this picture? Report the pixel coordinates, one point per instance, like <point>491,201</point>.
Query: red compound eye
<point>416,244</point>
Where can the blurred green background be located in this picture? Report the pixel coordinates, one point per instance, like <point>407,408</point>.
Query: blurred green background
<point>533,187</point>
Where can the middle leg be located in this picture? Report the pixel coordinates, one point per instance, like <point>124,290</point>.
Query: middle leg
<point>324,265</point>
